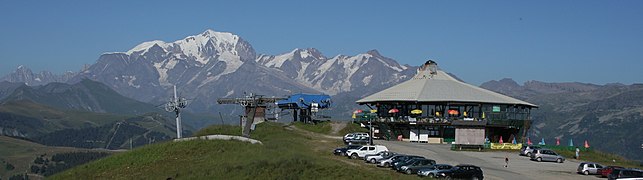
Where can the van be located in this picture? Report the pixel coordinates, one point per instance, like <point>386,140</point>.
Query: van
<point>365,150</point>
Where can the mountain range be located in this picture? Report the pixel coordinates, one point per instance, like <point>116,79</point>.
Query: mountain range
<point>607,116</point>
<point>86,114</point>
<point>25,75</point>
<point>213,65</point>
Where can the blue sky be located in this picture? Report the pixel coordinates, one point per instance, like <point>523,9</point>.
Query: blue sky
<point>554,41</point>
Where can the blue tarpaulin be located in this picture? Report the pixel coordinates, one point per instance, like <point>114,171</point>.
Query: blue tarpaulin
<point>304,101</point>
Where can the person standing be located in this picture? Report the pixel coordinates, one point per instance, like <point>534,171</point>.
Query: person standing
<point>577,153</point>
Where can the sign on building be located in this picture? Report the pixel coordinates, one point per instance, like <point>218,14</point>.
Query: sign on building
<point>469,136</point>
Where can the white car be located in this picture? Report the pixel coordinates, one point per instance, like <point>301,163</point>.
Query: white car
<point>365,150</point>
<point>350,136</point>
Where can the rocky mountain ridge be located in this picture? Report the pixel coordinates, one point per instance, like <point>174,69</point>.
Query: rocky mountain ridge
<point>213,64</point>
<point>608,116</point>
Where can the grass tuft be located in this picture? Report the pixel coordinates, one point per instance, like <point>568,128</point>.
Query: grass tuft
<point>322,127</point>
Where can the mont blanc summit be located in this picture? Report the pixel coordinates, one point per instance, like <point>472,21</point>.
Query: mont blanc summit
<point>222,64</point>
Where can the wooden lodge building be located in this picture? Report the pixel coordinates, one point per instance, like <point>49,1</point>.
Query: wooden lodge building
<point>435,107</point>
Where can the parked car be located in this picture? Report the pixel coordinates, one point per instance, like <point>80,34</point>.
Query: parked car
<point>432,171</point>
<point>373,158</point>
<point>619,173</point>
<point>605,171</point>
<point>413,168</point>
<point>588,168</point>
<point>527,150</point>
<point>403,159</point>
<point>342,150</point>
<point>386,162</point>
<point>462,171</point>
<point>365,150</point>
<point>546,155</point>
<point>398,166</point>
<point>353,135</point>
<point>358,140</point>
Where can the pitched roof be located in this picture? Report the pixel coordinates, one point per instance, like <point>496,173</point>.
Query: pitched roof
<point>439,87</point>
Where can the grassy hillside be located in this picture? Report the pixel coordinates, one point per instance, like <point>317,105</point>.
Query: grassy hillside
<point>285,154</point>
<point>86,95</point>
<point>21,154</point>
<point>35,119</point>
<point>54,127</point>
<point>322,127</point>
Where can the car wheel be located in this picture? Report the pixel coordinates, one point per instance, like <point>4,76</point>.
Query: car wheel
<point>475,178</point>
<point>387,164</point>
<point>539,159</point>
<point>528,154</point>
<point>408,171</point>
<point>373,161</point>
<point>561,161</point>
<point>586,172</point>
<point>448,178</point>
<point>354,156</point>
<point>343,153</point>
<point>431,175</point>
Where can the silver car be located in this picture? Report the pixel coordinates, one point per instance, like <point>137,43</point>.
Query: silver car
<point>373,158</point>
<point>433,171</point>
<point>588,168</point>
<point>387,162</point>
<point>547,155</point>
<point>527,150</point>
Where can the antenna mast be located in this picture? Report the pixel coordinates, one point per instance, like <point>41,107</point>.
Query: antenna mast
<point>175,105</point>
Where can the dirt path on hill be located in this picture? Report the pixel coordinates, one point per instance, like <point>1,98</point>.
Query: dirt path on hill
<point>337,126</point>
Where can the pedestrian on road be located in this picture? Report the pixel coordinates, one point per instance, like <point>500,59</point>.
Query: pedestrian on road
<point>506,161</point>
<point>577,153</point>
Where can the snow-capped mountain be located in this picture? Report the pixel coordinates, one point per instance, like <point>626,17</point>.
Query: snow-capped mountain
<point>213,64</point>
<point>25,75</point>
<point>338,74</point>
<point>146,71</point>
<point>204,67</point>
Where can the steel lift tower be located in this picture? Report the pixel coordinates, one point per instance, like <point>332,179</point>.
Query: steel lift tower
<point>254,106</point>
<point>175,105</point>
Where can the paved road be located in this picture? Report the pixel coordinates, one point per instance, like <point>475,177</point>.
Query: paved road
<point>492,163</point>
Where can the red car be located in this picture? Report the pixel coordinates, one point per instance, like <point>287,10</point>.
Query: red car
<point>607,170</point>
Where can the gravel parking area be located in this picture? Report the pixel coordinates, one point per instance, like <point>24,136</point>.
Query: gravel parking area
<point>492,163</point>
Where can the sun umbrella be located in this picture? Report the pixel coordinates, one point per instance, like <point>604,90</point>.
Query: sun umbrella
<point>528,141</point>
<point>542,141</point>
<point>586,144</point>
<point>416,111</point>
<point>500,140</point>
<point>557,141</point>
<point>514,141</point>
<point>571,143</point>
<point>394,110</point>
<point>453,112</point>
<point>373,110</point>
<point>357,111</point>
